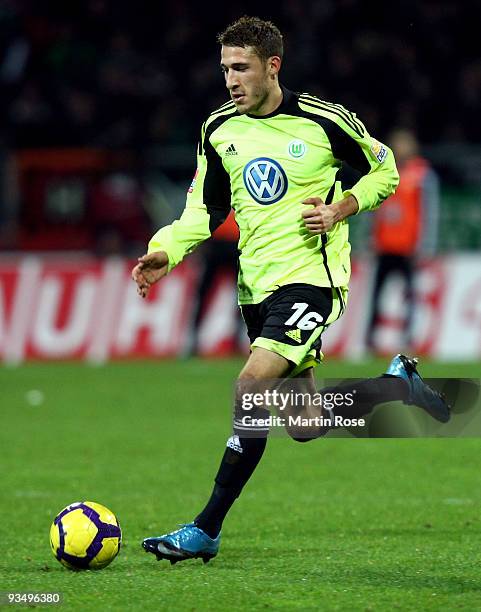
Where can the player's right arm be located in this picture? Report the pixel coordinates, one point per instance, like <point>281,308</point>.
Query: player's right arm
<point>207,206</point>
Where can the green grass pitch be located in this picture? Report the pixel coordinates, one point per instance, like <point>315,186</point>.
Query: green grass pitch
<point>335,524</point>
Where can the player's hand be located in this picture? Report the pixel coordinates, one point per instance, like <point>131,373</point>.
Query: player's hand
<point>150,269</point>
<point>319,218</point>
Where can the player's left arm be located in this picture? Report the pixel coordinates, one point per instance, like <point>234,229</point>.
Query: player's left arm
<point>351,143</point>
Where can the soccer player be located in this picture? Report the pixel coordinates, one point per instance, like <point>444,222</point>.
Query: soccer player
<point>275,157</point>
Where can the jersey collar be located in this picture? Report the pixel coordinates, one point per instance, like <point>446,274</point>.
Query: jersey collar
<point>287,96</point>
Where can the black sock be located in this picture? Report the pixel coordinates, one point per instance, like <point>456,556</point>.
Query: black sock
<point>368,393</point>
<point>235,470</point>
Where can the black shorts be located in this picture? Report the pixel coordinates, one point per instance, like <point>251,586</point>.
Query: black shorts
<point>290,322</point>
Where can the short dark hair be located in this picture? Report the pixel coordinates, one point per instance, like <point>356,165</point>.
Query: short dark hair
<point>263,36</point>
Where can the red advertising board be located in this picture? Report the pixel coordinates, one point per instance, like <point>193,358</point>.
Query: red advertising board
<point>65,307</point>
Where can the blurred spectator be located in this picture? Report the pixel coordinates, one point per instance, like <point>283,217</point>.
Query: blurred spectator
<point>111,65</point>
<point>404,228</point>
<point>118,218</point>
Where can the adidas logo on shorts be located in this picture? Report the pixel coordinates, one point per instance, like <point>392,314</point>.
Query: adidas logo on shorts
<point>294,334</point>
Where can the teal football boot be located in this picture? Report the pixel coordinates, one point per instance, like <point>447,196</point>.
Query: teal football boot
<point>419,394</point>
<point>188,542</point>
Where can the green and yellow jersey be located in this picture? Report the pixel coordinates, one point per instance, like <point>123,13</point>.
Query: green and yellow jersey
<point>264,167</point>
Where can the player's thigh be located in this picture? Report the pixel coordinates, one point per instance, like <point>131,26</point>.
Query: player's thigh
<point>264,364</point>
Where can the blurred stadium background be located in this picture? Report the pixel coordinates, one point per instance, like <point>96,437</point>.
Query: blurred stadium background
<point>101,107</point>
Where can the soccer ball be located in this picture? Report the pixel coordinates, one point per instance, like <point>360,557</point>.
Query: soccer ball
<point>85,535</point>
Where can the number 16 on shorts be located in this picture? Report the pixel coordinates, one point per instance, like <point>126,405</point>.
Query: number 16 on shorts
<point>302,320</point>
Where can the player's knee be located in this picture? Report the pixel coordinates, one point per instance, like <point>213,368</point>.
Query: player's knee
<point>248,386</point>
<point>302,439</point>
<point>307,436</point>
<point>248,376</point>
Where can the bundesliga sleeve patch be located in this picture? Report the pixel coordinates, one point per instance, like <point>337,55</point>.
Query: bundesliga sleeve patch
<point>378,150</point>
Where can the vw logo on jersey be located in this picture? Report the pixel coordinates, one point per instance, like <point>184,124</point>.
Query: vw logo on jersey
<point>265,180</point>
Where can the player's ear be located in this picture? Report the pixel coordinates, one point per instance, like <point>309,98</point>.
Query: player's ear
<point>273,65</point>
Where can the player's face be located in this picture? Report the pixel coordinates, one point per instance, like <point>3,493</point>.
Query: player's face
<point>250,80</point>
